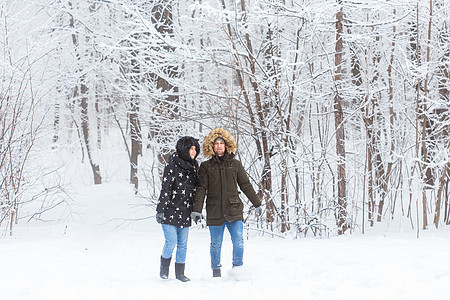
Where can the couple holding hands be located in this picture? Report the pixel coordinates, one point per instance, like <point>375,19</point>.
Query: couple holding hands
<point>184,187</point>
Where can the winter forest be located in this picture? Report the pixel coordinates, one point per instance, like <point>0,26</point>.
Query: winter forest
<point>340,108</point>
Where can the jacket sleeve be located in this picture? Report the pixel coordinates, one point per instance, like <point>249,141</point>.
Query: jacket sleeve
<point>167,187</point>
<point>245,185</point>
<point>201,189</point>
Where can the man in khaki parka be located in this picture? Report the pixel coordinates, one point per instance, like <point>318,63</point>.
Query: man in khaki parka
<point>223,174</point>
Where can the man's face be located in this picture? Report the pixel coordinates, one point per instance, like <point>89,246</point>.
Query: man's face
<point>219,148</point>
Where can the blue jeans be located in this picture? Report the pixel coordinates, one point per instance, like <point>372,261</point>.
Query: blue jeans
<point>175,236</point>
<point>235,229</point>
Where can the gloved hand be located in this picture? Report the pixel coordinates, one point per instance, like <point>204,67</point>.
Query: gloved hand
<point>196,216</point>
<point>159,217</point>
<point>259,211</point>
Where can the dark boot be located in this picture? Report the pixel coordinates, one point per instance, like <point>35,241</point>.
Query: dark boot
<point>179,272</point>
<point>164,270</point>
<point>216,273</point>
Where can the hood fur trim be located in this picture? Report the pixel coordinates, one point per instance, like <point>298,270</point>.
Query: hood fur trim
<point>208,143</point>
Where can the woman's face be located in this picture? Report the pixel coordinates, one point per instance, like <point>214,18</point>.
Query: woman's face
<point>192,152</point>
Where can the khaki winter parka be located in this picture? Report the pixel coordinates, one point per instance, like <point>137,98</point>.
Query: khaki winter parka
<point>223,176</point>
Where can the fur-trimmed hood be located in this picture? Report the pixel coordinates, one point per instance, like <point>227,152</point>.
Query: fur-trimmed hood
<point>208,143</point>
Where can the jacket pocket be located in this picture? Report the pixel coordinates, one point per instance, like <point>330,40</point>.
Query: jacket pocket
<point>213,209</point>
<point>235,199</point>
<point>234,209</point>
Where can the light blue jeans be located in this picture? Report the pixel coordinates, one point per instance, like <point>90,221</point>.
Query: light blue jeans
<point>235,229</point>
<point>175,236</point>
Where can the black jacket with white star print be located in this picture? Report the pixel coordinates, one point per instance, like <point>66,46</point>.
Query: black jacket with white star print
<point>177,192</point>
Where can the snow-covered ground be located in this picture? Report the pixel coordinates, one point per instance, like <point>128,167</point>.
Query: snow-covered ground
<point>99,254</point>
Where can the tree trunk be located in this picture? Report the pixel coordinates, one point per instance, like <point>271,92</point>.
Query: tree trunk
<point>427,177</point>
<point>135,127</point>
<point>56,120</point>
<point>166,107</point>
<point>98,113</point>
<point>391,114</point>
<point>447,204</point>
<point>84,106</point>
<point>443,180</point>
<point>136,141</point>
<point>444,93</point>
<point>85,128</point>
<point>266,177</point>
<point>341,214</point>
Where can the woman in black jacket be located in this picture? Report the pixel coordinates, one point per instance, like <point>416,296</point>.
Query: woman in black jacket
<point>175,204</point>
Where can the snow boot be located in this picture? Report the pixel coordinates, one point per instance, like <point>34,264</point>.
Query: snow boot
<point>164,270</point>
<point>179,272</point>
<point>216,273</point>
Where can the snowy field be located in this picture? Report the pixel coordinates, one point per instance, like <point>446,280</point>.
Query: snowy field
<point>96,255</point>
